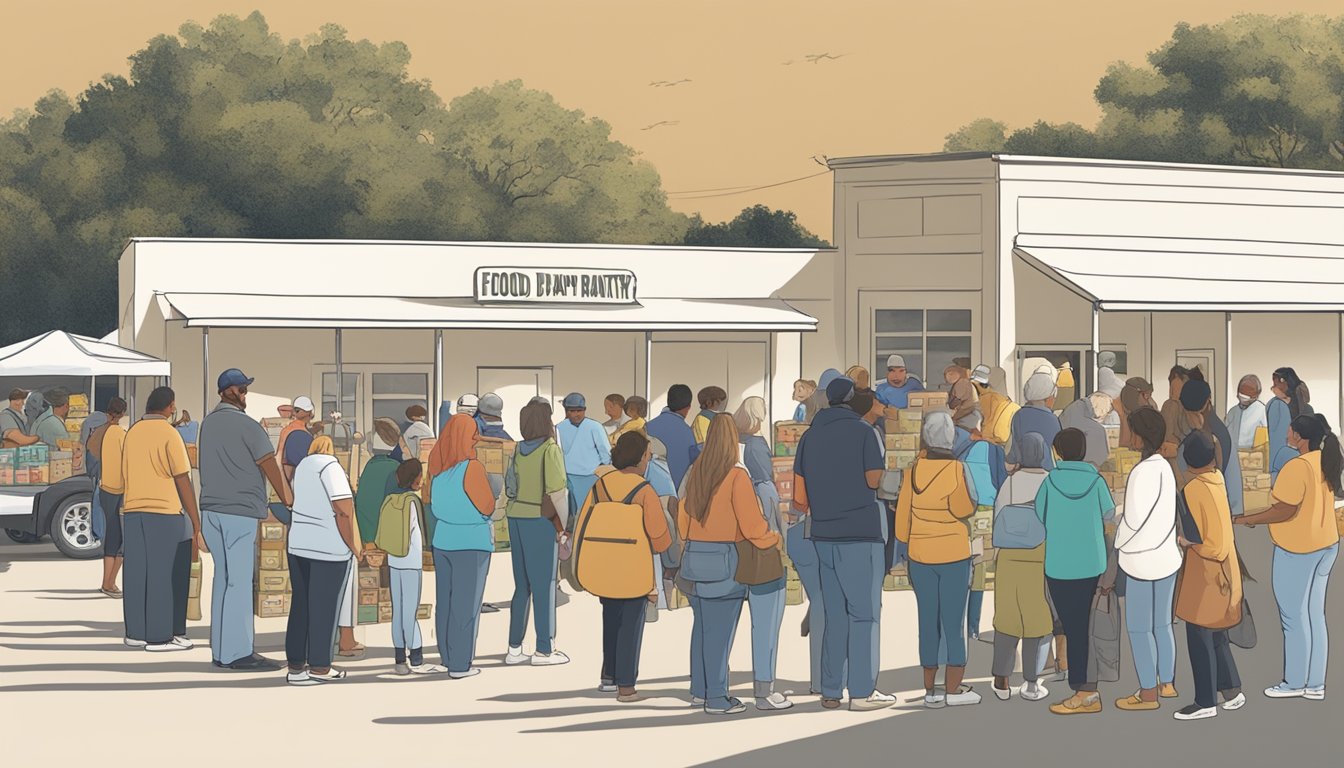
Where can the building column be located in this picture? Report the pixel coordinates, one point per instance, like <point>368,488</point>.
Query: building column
<point>786,361</point>
<point>205,370</point>
<point>648,369</point>
<point>340,379</point>
<point>436,390</point>
<point>1094,363</point>
<point>1230,394</point>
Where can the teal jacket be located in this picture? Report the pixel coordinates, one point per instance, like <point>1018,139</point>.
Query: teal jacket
<point>1074,504</point>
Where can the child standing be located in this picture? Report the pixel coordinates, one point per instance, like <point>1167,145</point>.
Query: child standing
<point>401,525</point>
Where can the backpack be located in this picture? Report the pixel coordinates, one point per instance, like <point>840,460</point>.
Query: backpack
<point>1016,526</point>
<point>612,553</point>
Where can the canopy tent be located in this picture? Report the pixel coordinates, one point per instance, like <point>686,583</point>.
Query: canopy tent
<point>57,353</point>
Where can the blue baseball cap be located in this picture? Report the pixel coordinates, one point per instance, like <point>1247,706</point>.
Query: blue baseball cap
<point>574,400</point>
<point>233,378</point>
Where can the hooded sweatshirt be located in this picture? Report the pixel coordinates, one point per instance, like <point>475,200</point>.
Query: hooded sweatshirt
<point>1073,503</point>
<point>934,502</point>
<point>1081,416</point>
<point>1146,529</point>
<point>533,460</point>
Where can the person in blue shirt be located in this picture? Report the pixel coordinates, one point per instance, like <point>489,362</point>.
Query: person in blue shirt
<point>1037,416</point>
<point>586,448</point>
<point>671,429</point>
<point>895,391</point>
<point>986,464</point>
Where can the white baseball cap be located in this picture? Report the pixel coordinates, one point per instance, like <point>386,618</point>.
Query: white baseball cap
<point>304,403</point>
<point>467,404</point>
<point>981,374</point>
<point>895,361</point>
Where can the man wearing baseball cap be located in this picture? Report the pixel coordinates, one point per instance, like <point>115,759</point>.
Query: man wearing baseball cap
<point>895,391</point>
<point>236,462</point>
<point>586,448</point>
<point>490,417</point>
<point>295,439</point>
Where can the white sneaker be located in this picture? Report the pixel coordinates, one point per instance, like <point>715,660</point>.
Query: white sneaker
<point>773,702</point>
<point>1315,694</point>
<point>934,700</point>
<point>183,641</point>
<point>964,697</point>
<point>428,669</point>
<point>129,643</point>
<point>401,670</point>
<point>1233,705</point>
<point>553,659</point>
<point>168,647</point>
<point>877,700</point>
<point>607,688</point>
<point>474,671</point>
<point>1003,694</point>
<point>1193,712</point>
<point>516,657</point>
<point>308,678</point>
<point>696,701</point>
<point>1282,691</point>
<point>1034,691</point>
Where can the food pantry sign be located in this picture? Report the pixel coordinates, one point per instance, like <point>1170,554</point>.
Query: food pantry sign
<point>554,286</point>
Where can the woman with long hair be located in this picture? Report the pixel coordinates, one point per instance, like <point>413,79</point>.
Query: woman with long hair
<point>1291,400</point>
<point>718,509</point>
<point>1306,544</point>
<point>462,542</point>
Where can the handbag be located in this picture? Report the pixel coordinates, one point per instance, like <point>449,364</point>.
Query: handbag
<point>889,487</point>
<point>756,566</point>
<point>1016,526</point>
<point>1243,634</point>
<point>1103,657</point>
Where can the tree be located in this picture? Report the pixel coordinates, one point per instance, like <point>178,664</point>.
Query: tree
<point>1253,90</point>
<point>755,227</point>
<point>983,135</point>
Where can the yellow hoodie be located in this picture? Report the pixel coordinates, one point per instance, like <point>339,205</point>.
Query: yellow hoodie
<point>934,503</point>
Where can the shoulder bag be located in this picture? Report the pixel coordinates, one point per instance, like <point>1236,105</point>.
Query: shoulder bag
<point>1016,526</point>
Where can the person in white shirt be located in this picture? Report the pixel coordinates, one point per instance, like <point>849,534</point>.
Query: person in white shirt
<point>1150,558</point>
<point>1248,415</point>
<point>417,430</point>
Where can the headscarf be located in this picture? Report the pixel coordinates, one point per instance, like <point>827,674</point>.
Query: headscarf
<point>456,445</point>
<point>1031,451</point>
<point>1109,383</point>
<point>322,445</point>
<point>1040,387</point>
<point>33,407</point>
<point>939,431</point>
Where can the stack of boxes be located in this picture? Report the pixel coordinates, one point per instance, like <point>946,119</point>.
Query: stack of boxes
<point>271,582</point>
<point>787,436</point>
<point>1255,480</point>
<point>274,426</point>
<point>495,456</point>
<point>903,427</point>
<point>375,595</point>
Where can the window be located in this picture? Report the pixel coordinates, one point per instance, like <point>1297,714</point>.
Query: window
<point>928,339</point>
<point>348,408</point>
<point>393,393</point>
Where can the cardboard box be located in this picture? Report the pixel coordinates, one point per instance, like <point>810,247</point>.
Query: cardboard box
<point>1252,460</point>
<point>60,469</point>
<point>32,455</point>
<point>502,535</point>
<point>423,611</point>
<point>367,614</point>
<point>1256,501</point>
<point>927,400</point>
<point>271,531</point>
<point>384,613</point>
<point>1264,483</point>
<point>368,596</point>
<point>982,522</point>
<point>789,432</point>
<point>272,606</point>
<point>272,582</point>
<point>897,583</point>
<point>9,457</point>
<point>384,595</point>
<point>369,578</point>
<point>194,582</point>
<point>901,459</point>
<point>39,475</point>
<point>272,560</point>
<point>21,476</point>
<point>910,423</point>
<point>7,476</point>
<point>494,454</point>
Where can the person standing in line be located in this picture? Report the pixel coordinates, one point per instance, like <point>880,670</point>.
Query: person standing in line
<point>322,548</point>
<point>712,402</point>
<point>996,408</point>
<point>1197,400</point>
<point>1074,504</point>
<point>895,390</point>
<point>636,413</point>
<point>819,401</point>
<point>1174,414</point>
<point>401,534</point>
<point>536,531</point>
<point>463,543</point>
<point>302,412</point>
<point>417,430</point>
<point>1248,414</point>
<point>671,429</point>
<point>962,398</point>
<point>13,422</point>
<point>1021,612</point>
<point>585,447</point>
<point>718,509</point>
<point>614,406</point>
<point>836,473</point>
<point>377,481</point>
<point>236,461</point>
<point>158,489</point>
<point>1291,400</point>
<point>1150,559</point>
<point>1086,415</point>
<point>803,389</point>
<point>985,463</point>
<point>1135,395</point>
<point>1038,416</point>
<point>1306,545</point>
<point>490,417</point>
<point>467,405</point>
<point>104,451</point>
<point>1209,600</point>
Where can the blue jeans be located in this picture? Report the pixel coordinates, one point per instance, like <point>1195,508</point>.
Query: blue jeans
<point>804,556</point>
<point>974,608</point>
<point>532,549</point>
<point>579,486</point>
<point>405,602</point>
<point>766,603</point>
<point>232,540</point>
<point>851,586</point>
<point>711,641</point>
<point>1148,619</point>
<point>941,594</point>
<point>97,517</point>
<point>459,585</point>
<point>1299,589</point>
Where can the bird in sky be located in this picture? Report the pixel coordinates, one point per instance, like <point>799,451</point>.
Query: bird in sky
<point>817,58</point>
<point>821,160</point>
<point>660,124</point>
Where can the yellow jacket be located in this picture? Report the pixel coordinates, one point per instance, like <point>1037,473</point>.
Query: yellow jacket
<point>934,503</point>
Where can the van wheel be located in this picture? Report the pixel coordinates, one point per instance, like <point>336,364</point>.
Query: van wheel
<point>22,537</point>
<point>72,528</point>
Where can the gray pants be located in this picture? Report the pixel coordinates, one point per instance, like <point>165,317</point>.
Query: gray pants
<point>459,585</point>
<point>151,548</point>
<point>405,602</point>
<point>1034,651</point>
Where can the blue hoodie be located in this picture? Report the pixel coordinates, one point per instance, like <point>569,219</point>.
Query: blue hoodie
<point>677,436</point>
<point>1073,503</point>
<point>833,457</point>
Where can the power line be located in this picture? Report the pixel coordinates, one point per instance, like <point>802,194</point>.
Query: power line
<point>740,190</point>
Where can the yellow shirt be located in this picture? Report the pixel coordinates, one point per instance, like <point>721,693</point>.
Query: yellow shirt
<point>114,443</point>
<point>633,425</point>
<point>700,427</point>
<point>1302,484</point>
<point>153,454</point>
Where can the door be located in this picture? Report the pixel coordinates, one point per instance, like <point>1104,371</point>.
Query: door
<point>739,367</point>
<point>516,386</point>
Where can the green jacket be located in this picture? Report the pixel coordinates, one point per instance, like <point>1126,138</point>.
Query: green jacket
<point>394,523</point>
<point>528,468</point>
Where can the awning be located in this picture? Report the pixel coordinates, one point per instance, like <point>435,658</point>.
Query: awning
<point>230,310</point>
<point>57,353</point>
<point>1121,274</point>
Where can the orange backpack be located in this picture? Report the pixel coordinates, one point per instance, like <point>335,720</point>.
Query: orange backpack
<point>612,553</point>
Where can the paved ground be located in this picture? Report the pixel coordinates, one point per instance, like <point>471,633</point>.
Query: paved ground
<point>64,680</point>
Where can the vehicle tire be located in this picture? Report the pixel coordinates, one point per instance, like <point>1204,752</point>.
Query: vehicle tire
<point>22,537</point>
<point>72,528</point>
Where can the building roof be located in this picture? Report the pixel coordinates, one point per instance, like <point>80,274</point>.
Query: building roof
<point>1008,159</point>
<point>57,353</point>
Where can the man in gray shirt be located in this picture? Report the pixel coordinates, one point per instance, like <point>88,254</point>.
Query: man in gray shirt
<point>236,461</point>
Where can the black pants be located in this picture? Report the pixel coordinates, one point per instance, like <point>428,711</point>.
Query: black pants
<point>181,586</point>
<point>622,637</point>
<point>1212,663</point>
<point>1073,604</point>
<point>891,534</point>
<point>317,590</point>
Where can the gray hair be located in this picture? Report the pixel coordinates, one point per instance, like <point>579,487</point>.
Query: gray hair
<point>1031,450</point>
<point>939,431</point>
<point>1251,378</point>
<point>1039,388</point>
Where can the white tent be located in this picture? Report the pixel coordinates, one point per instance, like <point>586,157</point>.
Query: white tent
<point>57,353</point>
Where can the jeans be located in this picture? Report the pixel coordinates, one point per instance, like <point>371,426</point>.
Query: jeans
<point>1034,652</point>
<point>1211,663</point>
<point>113,536</point>
<point>459,580</point>
<point>941,594</point>
<point>310,633</point>
<point>766,603</point>
<point>1148,619</point>
<point>149,579</point>
<point>712,634</point>
<point>851,585</point>
<point>579,486</point>
<point>622,637</point>
<point>232,540</point>
<point>803,553</point>
<point>405,602</point>
<point>532,549</point>
<point>97,516</point>
<point>1299,589</point>
<point>1072,599</point>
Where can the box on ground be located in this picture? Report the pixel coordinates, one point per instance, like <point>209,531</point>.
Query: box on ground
<point>272,606</point>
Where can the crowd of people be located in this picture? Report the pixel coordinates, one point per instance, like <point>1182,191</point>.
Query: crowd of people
<point>638,511</point>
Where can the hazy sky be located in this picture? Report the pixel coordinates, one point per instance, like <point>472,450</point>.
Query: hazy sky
<point>910,72</point>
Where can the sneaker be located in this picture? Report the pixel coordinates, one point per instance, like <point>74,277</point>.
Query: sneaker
<point>1168,691</point>
<point>168,647</point>
<point>1003,694</point>
<point>964,697</point>
<point>934,700</point>
<point>773,702</point>
<point>1034,691</point>
<point>1315,694</point>
<point>474,671</point>
<point>1282,691</point>
<point>254,663</point>
<point>552,659</point>
<point>734,707</point>
<point>129,643</point>
<point>516,657</point>
<point>1195,712</point>
<point>696,701</point>
<point>306,677</point>
<point>1135,703</point>
<point>605,687</point>
<point>113,593</point>
<point>183,641</point>
<point>428,669</point>
<point>402,669</point>
<point>875,701</point>
<point>830,703</point>
<point>1232,705</point>
<point>331,676</point>
<point>1078,704</point>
